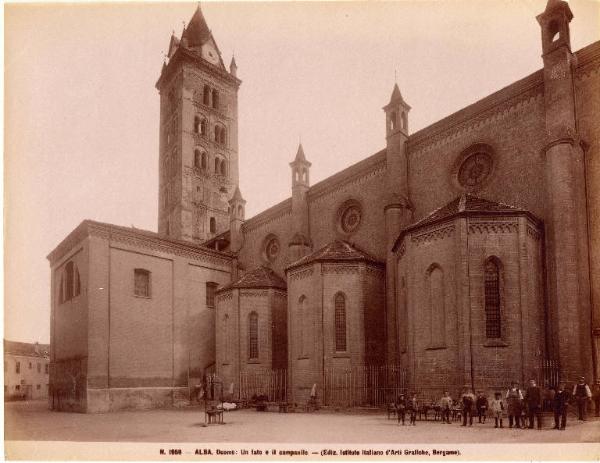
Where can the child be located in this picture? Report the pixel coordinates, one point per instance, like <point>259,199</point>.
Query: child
<point>446,405</point>
<point>497,407</point>
<point>413,406</point>
<point>401,408</point>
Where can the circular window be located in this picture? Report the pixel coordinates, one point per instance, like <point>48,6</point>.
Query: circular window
<point>475,169</point>
<point>272,248</point>
<point>349,217</point>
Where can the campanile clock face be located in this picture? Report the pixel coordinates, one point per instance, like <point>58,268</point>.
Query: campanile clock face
<point>209,53</point>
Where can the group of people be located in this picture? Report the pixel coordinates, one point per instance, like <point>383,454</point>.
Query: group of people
<point>522,407</point>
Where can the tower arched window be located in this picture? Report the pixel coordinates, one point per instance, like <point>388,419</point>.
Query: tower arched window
<point>69,278</point>
<point>196,124</point>
<point>223,136</point>
<point>393,120</point>
<point>340,322</point>
<point>206,95</point>
<point>217,165</point>
<point>215,99</point>
<point>217,133</point>
<point>204,161</point>
<point>203,127</point>
<point>253,336</point>
<point>197,159</point>
<point>213,225</point>
<point>240,212</point>
<point>493,320</point>
<point>404,121</point>
<point>223,168</point>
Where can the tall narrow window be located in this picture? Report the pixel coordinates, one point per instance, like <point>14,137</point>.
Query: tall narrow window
<point>340,323</point>
<point>211,289</point>
<point>61,290</point>
<point>39,367</point>
<point>196,124</point>
<point>69,274</point>
<point>493,322</point>
<point>18,367</point>
<point>215,99</point>
<point>204,162</point>
<point>223,168</point>
<point>253,335</point>
<point>217,133</point>
<point>206,96</point>
<point>203,127</point>
<point>217,165</point>
<point>141,282</point>
<point>437,307</point>
<point>213,225</point>
<point>222,136</point>
<point>77,289</point>
<point>197,159</point>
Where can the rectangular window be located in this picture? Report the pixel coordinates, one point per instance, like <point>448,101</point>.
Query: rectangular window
<point>39,367</point>
<point>17,387</point>
<point>18,367</point>
<point>38,387</point>
<point>46,368</point>
<point>211,288</point>
<point>141,282</point>
<point>30,365</point>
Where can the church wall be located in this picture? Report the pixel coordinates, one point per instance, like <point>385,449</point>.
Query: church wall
<point>252,253</point>
<point>69,333</point>
<point>588,112</point>
<point>517,355</point>
<point>433,354</point>
<point>280,331</point>
<point>227,337</point>
<point>515,131</point>
<point>367,190</point>
<point>304,332</point>
<point>197,347</point>
<point>258,301</point>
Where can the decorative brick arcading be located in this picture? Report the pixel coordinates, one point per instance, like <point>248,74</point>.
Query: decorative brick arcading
<point>533,233</point>
<point>254,292</point>
<point>433,234</point>
<point>493,227</point>
<point>301,274</point>
<point>340,269</point>
<point>355,179</point>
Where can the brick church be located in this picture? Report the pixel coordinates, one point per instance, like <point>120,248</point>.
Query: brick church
<point>464,254</point>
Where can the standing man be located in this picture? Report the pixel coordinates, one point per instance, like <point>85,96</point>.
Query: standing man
<point>560,403</point>
<point>533,400</point>
<point>582,394</point>
<point>481,405</point>
<point>514,398</point>
<point>468,402</point>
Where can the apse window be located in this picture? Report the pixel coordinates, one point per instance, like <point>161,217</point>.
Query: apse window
<point>340,323</point>
<point>253,336</point>
<point>141,282</point>
<point>493,321</point>
<point>211,289</point>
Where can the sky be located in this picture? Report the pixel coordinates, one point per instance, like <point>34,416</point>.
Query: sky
<point>82,112</point>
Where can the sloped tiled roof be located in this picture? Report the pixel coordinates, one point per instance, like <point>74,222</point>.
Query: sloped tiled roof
<point>260,277</point>
<point>336,251</point>
<point>464,203</point>
<point>26,348</point>
<point>467,204</point>
<point>197,31</point>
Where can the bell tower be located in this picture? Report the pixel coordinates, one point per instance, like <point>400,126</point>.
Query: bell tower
<point>198,154</point>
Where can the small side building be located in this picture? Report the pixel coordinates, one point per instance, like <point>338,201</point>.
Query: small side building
<point>25,370</point>
<point>132,319</point>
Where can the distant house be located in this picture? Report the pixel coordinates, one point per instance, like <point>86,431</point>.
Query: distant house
<point>26,370</point>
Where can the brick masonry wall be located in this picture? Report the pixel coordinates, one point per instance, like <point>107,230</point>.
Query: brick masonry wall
<point>588,112</point>
<point>517,135</point>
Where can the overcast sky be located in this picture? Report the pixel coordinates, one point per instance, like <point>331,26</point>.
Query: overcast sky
<point>82,111</point>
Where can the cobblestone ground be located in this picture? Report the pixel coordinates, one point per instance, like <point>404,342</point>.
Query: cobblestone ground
<point>33,421</point>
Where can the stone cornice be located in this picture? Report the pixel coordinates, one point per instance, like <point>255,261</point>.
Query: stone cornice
<point>182,55</point>
<point>474,114</point>
<point>588,58</point>
<point>141,238</point>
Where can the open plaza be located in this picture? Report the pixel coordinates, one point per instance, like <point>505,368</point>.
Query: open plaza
<point>33,421</point>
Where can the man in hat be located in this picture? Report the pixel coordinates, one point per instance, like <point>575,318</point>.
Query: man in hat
<point>582,394</point>
<point>533,399</point>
